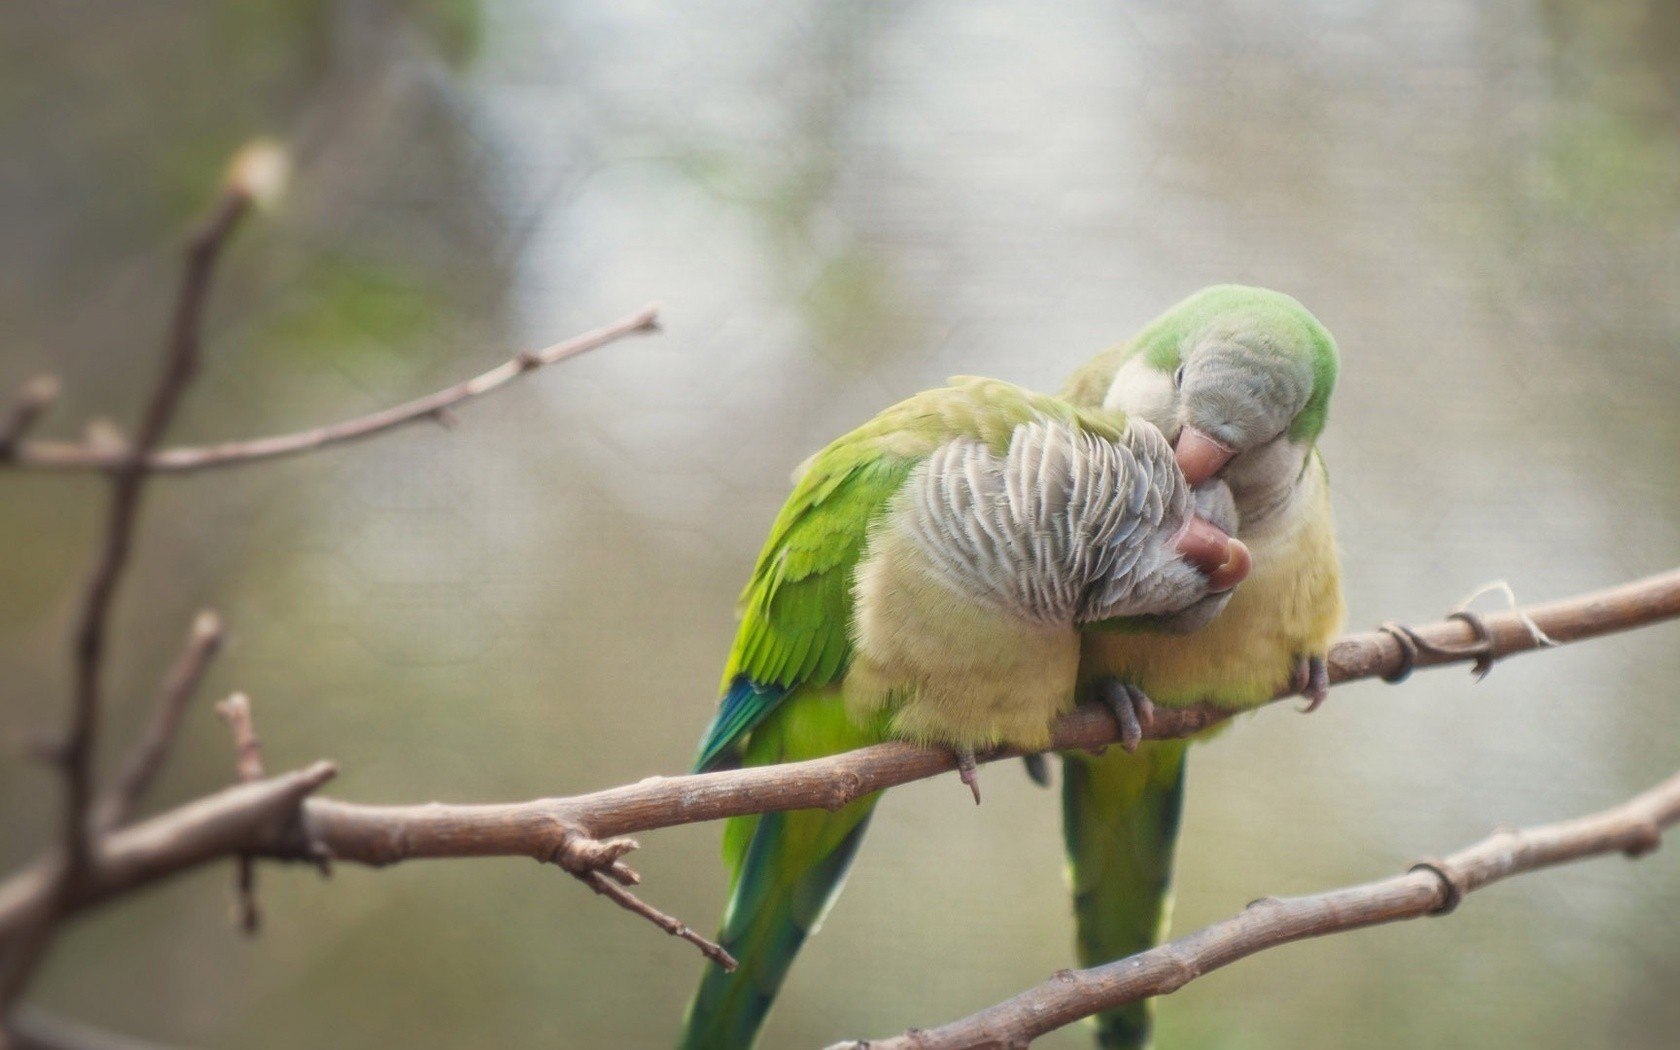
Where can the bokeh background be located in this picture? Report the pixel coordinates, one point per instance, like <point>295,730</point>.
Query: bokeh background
<point>838,204</point>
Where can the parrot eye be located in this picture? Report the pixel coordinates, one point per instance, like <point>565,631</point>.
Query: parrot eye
<point>1178,377</point>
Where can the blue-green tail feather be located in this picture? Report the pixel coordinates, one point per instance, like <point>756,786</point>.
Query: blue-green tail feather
<point>793,870</point>
<point>1120,817</point>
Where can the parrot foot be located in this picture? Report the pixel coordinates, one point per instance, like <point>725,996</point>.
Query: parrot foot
<point>1038,769</point>
<point>1130,706</point>
<point>968,770</point>
<point>1312,680</point>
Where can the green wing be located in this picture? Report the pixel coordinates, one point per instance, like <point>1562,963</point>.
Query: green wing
<point>796,610</point>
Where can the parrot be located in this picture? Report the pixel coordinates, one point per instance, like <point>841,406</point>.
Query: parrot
<point>925,581</point>
<point>1239,378</point>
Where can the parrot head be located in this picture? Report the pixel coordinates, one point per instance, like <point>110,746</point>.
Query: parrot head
<point>1239,380</point>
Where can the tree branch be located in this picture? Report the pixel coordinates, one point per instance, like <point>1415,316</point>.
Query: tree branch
<point>1431,887</point>
<point>378,835</point>
<point>75,754</point>
<point>151,750</point>
<point>60,455</point>
<point>206,829</point>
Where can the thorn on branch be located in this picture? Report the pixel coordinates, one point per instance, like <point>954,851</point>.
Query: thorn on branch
<point>597,865</point>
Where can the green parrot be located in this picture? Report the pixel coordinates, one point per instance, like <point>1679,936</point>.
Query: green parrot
<point>1240,379</point>
<point>925,581</point>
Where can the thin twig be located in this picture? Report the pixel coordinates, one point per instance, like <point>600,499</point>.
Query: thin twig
<point>33,400</point>
<point>248,766</point>
<point>75,754</point>
<point>436,406</point>
<point>597,865</point>
<point>248,760</point>
<point>1431,887</point>
<point>380,835</point>
<point>150,751</point>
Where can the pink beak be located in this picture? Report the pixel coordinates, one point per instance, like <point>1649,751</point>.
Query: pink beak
<point>1223,559</point>
<point>1199,456</point>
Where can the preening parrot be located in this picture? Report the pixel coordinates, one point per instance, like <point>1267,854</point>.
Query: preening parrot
<point>926,581</point>
<point>1240,379</point>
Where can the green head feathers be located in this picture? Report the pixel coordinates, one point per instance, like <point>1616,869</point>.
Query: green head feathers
<point>1231,343</point>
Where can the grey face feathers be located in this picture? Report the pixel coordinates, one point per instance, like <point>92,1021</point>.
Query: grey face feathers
<point>1240,390</point>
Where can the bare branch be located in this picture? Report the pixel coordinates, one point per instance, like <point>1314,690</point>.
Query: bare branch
<point>33,400</point>
<point>206,829</point>
<point>380,835</point>
<point>151,750</point>
<point>75,754</point>
<point>1433,887</point>
<point>48,455</point>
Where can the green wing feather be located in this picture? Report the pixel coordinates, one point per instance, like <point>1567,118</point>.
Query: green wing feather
<point>796,610</point>
<point>1120,817</point>
<point>782,689</point>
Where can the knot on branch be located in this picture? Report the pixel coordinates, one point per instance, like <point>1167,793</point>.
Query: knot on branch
<point>1452,884</point>
<point>1646,837</point>
<point>581,855</point>
<point>1412,643</point>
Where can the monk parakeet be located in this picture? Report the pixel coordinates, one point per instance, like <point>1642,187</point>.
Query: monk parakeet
<point>1240,379</point>
<point>926,581</point>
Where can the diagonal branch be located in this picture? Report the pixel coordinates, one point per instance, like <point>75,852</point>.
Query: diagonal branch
<point>148,754</point>
<point>1433,887</point>
<point>60,455</point>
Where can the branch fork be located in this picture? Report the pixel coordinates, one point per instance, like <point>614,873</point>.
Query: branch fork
<point>596,863</point>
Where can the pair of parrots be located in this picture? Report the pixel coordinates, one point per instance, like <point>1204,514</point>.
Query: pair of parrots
<point>971,562</point>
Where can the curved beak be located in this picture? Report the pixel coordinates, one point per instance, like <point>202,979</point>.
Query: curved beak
<point>1199,456</point>
<point>1223,559</point>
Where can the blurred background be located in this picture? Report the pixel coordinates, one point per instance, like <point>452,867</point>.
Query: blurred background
<point>838,204</point>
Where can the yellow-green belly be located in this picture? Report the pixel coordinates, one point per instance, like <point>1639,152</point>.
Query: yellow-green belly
<point>1288,608</point>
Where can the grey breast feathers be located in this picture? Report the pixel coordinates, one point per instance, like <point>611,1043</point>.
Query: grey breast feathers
<point>1066,526</point>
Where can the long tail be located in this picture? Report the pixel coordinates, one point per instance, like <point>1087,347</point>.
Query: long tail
<point>788,870</point>
<point>1120,816</point>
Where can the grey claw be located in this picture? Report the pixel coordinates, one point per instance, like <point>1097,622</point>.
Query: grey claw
<point>1314,679</point>
<point>968,770</point>
<point>1038,769</point>
<point>1131,708</point>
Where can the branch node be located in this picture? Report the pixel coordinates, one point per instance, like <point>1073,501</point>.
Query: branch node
<point>596,864</point>
<point>1452,884</point>
<point>1647,838</point>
